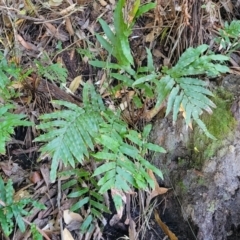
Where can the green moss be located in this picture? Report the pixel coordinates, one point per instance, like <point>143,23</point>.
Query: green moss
<point>182,187</point>
<point>220,124</point>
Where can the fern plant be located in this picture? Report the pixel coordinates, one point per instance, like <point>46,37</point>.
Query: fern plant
<point>190,93</point>
<point>9,73</point>
<point>35,233</point>
<point>72,134</point>
<point>182,91</point>
<point>8,121</point>
<point>11,210</point>
<point>229,36</point>
<point>85,189</point>
<point>53,72</point>
<point>117,43</point>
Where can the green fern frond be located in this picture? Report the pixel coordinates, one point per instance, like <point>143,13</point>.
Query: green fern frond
<point>35,233</point>
<point>8,73</point>
<point>11,210</point>
<point>88,195</point>
<point>53,72</point>
<point>8,121</point>
<point>124,165</point>
<point>71,132</point>
<point>181,90</point>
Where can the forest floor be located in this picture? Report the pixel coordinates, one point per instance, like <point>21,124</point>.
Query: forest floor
<point>37,34</point>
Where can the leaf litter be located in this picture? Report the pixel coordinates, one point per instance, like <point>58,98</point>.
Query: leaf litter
<point>53,32</point>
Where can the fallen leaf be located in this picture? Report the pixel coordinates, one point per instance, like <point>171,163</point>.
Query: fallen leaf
<point>27,45</point>
<point>35,177</point>
<point>22,193</point>
<point>164,227</point>
<point>156,191</point>
<point>9,167</point>
<point>70,9</point>
<point>69,27</point>
<point>132,230</point>
<point>75,83</point>
<point>69,216</point>
<point>45,174</point>
<point>55,32</point>
<point>67,235</point>
<point>55,3</point>
<point>150,37</point>
<point>103,3</point>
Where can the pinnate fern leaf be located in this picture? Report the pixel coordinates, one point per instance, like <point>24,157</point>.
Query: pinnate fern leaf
<point>52,72</point>
<point>70,132</point>
<point>87,196</point>
<point>124,165</point>
<point>11,209</point>
<point>188,93</point>
<point>8,121</point>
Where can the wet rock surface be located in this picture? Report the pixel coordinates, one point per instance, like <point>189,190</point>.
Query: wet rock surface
<point>208,198</point>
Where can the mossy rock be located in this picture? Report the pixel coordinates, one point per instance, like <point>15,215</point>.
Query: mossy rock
<point>220,124</point>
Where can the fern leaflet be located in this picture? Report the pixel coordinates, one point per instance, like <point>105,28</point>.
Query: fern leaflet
<point>190,94</point>
<point>71,131</point>
<point>8,121</point>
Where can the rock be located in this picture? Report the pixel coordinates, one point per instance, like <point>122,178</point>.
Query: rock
<point>209,195</point>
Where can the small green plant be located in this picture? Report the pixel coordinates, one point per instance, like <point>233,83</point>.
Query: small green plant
<point>53,72</point>
<point>85,188</point>
<point>229,36</point>
<point>117,43</point>
<point>35,233</point>
<point>72,134</point>
<point>8,121</point>
<point>175,85</point>
<point>9,74</point>
<point>11,210</point>
<point>190,93</point>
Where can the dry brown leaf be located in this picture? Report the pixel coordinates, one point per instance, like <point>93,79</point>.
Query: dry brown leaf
<point>75,83</point>
<point>149,115</point>
<point>69,10</point>
<point>22,193</point>
<point>6,20</point>
<point>227,5</point>
<point>132,230</point>
<point>9,167</point>
<point>25,44</point>
<point>164,227</point>
<point>69,27</point>
<point>103,3</point>
<point>71,216</point>
<point>156,191</point>
<point>67,235</point>
<point>150,36</point>
<point>35,177</point>
<point>54,32</point>
<point>45,173</point>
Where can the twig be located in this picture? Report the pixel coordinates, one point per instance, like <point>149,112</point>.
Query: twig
<point>40,230</point>
<point>59,206</point>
